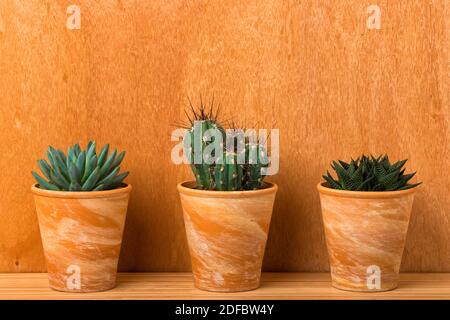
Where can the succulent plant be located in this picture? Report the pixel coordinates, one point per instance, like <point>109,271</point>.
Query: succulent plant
<point>238,162</point>
<point>81,170</point>
<point>370,174</point>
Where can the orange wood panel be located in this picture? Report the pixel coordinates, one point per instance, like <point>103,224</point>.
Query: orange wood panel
<point>310,68</point>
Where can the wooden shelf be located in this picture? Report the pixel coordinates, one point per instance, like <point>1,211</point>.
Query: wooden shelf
<point>180,286</point>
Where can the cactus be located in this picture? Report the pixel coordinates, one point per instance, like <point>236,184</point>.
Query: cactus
<point>370,174</point>
<point>228,175</point>
<point>81,170</point>
<point>238,163</point>
<point>257,159</point>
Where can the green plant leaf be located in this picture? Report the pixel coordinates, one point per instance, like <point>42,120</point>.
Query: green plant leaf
<point>62,155</point>
<point>103,155</point>
<point>118,180</point>
<point>345,165</point>
<point>107,165</point>
<point>58,179</point>
<point>90,150</point>
<point>398,165</point>
<point>45,168</point>
<point>343,176</point>
<point>333,184</point>
<point>91,180</point>
<point>60,165</point>
<point>81,161</point>
<point>76,150</point>
<point>50,159</point>
<point>118,160</point>
<point>405,178</point>
<point>74,186</point>
<point>389,179</point>
<point>44,184</point>
<point>99,187</point>
<point>409,186</point>
<point>109,178</point>
<point>74,174</point>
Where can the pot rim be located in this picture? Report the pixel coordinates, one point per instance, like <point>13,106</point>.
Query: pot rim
<point>79,194</point>
<point>364,194</point>
<point>184,189</point>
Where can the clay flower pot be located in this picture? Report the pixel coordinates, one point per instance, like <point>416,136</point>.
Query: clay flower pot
<point>365,234</point>
<point>227,234</point>
<point>81,233</point>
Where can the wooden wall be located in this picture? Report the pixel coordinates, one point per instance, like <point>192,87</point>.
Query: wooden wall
<point>311,68</point>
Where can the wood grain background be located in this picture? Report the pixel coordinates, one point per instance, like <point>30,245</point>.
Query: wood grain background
<point>310,68</point>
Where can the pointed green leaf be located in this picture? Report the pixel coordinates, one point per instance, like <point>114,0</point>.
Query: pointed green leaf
<point>74,186</point>
<point>45,168</point>
<point>103,155</point>
<point>109,178</point>
<point>99,187</point>
<point>333,184</point>
<point>62,155</point>
<point>409,186</point>
<point>74,174</point>
<point>118,160</point>
<point>90,150</point>
<point>91,180</point>
<point>76,150</point>
<point>58,179</point>
<point>108,163</point>
<point>81,162</point>
<point>44,184</point>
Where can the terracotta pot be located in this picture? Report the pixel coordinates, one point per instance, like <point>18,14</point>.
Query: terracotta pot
<point>82,234</point>
<point>365,234</point>
<point>227,234</point>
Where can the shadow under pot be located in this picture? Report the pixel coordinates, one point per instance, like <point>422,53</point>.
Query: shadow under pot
<point>227,234</point>
<point>365,234</point>
<point>81,233</point>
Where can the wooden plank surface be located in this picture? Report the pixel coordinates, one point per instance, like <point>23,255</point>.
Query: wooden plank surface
<point>311,68</point>
<point>180,286</point>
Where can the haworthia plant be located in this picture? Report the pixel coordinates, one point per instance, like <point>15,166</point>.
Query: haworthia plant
<point>231,169</point>
<point>81,170</point>
<point>370,174</point>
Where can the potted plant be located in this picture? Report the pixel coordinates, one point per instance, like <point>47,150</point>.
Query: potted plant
<point>228,208</point>
<point>81,204</point>
<point>365,214</point>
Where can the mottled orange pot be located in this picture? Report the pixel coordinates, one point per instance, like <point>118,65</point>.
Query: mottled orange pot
<point>365,234</point>
<point>81,233</point>
<point>227,234</point>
